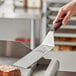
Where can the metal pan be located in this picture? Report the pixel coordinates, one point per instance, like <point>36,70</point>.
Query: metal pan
<point>11,51</point>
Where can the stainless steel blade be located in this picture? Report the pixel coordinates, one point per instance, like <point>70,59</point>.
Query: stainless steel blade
<point>37,53</point>
<point>33,57</point>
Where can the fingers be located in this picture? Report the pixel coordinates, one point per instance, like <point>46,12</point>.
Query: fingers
<point>59,16</point>
<point>67,18</point>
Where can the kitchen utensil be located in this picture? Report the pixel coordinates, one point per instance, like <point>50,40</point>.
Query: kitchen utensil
<point>41,50</point>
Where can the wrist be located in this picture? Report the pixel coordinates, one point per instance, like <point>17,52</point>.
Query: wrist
<point>74,6</point>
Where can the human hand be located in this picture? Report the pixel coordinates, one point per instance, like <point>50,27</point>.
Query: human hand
<point>68,9</point>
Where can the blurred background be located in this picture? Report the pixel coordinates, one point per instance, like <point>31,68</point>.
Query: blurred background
<point>28,21</point>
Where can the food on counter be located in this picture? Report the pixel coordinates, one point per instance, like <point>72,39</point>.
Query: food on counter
<point>62,39</point>
<point>74,48</point>
<point>57,38</point>
<point>73,39</point>
<point>65,39</point>
<point>66,48</point>
<point>9,71</point>
<point>56,48</point>
<point>63,47</point>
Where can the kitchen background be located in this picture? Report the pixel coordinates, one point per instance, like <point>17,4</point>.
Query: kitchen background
<point>13,23</point>
<point>16,17</point>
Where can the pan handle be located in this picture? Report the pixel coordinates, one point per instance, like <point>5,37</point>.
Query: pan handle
<point>58,25</point>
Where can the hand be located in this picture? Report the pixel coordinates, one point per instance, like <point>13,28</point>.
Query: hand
<point>68,9</point>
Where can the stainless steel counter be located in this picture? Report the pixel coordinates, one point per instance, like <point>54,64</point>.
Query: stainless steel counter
<point>67,59</point>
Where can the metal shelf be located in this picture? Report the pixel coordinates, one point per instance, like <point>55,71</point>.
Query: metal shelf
<point>66,31</point>
<point>54,8</point>
<point>65,35</point>
<point>66,43</point>
<point>68,27</point>
<point>65,26</point>
<point>53,17</point>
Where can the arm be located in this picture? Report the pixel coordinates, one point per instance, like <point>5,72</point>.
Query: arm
<point>68,9</point>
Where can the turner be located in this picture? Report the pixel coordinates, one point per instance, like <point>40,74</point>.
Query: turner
<point>41,50</point>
